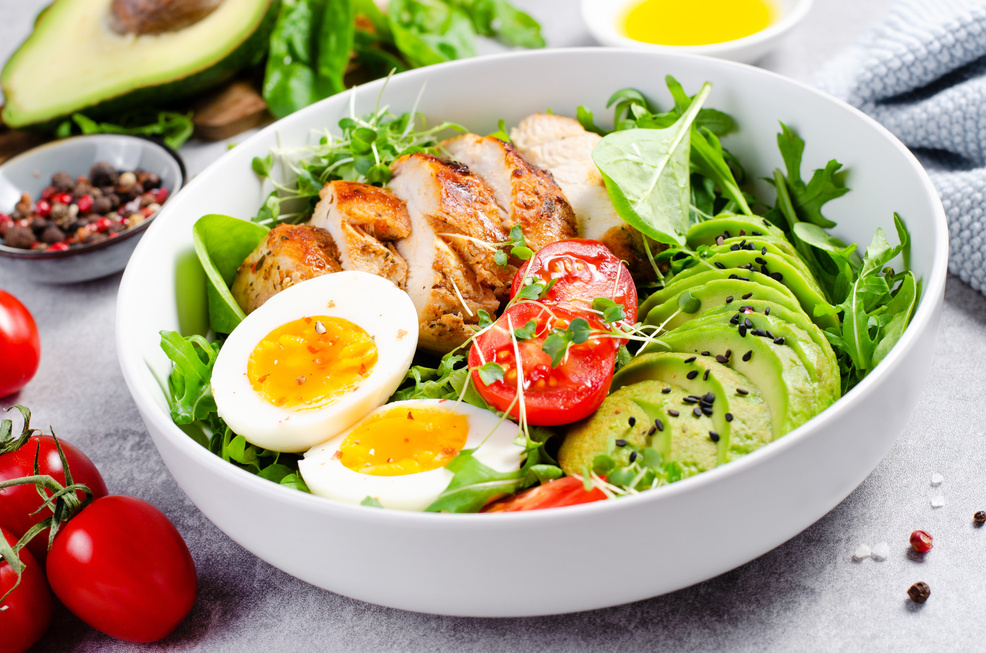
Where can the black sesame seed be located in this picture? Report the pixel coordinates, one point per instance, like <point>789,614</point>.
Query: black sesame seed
<point>665,390</point>
<point>729,300</point>
<point>691,359</point>
<point>768,334</point>
<point>659,424</point>
<point>709,397</point>
<point>697,412</point>
<point>757,233</point>
<point>692,374</point>
<point>722,360</point>
<point>779,340</point>
<point>719,265</point>
<point>748,355</point>
<point>748,295</point>
<point>764,250</point>
<point>743,278</point>
<point>633,456</point>
<point>777,276</point>
<point>705,377</point>
<point>690,399</point>
<point>707,410</point>
<point>766,311</point>
<point>725,233</point>
<point>760,260</point>
<point>747,309</point>
<point>705,353</point>
<point>734,247</point>
<point>760,333</point>
<point>672,412</point>
<point>742,330</point>
<point>734,319</point>
<point>729,417</point>
<point>748,323</point>
<point>743,233</point>
<point>713,436</point>
<point>632,421</point>
<point>764,270</point>
<point>729,353</point>
<point>741,391</point>
<point>748,247</point>
<point>734,276</point>
<point>621,442</point>
<point>651,431</point>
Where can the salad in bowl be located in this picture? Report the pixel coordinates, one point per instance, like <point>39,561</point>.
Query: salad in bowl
<point>601,311</point>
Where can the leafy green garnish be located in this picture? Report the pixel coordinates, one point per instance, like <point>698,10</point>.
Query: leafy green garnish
<point>610,310</point>
<point>490,372</point>
<point>647,175</point>
<point>222,243</point>
<point>559,341</point>
<point>171,127</point>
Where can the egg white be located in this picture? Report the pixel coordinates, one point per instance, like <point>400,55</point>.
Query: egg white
<point>384,311</point>
<point>326,476</point>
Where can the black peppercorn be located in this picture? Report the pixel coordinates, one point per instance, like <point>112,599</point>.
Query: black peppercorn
<point>980,517</point>
<point>919,592</point>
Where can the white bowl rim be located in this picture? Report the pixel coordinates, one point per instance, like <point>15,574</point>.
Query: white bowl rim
<point>933,287</point>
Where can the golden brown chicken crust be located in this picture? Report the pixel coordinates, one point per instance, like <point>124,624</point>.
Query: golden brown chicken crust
<point>287,255</point>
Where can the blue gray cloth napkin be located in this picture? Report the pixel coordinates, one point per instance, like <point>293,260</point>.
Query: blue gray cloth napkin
<point>921,72</point>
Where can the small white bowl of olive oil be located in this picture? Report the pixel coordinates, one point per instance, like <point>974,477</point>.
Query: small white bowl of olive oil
<point>739,30</point>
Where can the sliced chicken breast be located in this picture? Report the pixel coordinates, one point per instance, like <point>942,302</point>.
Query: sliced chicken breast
<point>365,221</point>
<point>287,255</point>
<point>563,147</point>
<point>449,276</point>
<point>526,195</point>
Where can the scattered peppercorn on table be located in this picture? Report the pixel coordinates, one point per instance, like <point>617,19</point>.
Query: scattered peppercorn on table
<point>852,581</point>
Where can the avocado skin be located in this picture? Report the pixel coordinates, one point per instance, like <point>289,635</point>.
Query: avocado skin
<point>250,52</point>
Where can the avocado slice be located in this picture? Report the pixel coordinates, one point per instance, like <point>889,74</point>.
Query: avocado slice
<point>776,370</point>
<point>704,274</point>
<point>741,420</point>
<point>819,361</point>
<point>719,292</point>
<point>628,414</point>
<point>107,72</point>
<point>768,245</point>
<point>730,226</point>
<point>778,268</point>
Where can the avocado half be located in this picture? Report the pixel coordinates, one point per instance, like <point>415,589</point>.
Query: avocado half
<point>74,61</point>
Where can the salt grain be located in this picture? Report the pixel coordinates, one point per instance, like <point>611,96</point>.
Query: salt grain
<point>936,479</point>
<point>937,501</point>
<point>880,552</point>
<point>863,551</point>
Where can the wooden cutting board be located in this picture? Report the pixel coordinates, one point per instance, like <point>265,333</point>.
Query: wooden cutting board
<point>217,115</point>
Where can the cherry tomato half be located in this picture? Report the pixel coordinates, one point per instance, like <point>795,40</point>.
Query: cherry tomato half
<point>552,395</point>
<point>568,491</point>
<point>26,611</point>
<point>17,503</point>
<point>20,345</point>
<point>582,271</point>
<point>124,569</point>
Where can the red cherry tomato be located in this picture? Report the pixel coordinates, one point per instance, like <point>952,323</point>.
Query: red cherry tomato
<point>20,345</point>
<point>124,569</point>
<point>17,503</point>
<point>26,612</point>
<point>568,491</point>
<point>552,395</point>
<point>582,270</point>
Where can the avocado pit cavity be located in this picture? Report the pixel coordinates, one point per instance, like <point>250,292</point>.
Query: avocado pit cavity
<point>142,17</point>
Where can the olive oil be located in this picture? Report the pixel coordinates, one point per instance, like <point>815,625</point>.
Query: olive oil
<point>696,22</point>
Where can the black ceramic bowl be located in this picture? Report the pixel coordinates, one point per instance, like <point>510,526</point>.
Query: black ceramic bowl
<point>31,172</point>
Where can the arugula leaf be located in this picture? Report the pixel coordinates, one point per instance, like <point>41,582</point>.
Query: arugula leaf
<point>473,485</point>
<point>189,384</point>
<point>647,175</point>
<point>171,127</point>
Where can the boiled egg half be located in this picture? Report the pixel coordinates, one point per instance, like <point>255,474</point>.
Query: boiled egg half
<point>315,359</point>
<point>398,453</point>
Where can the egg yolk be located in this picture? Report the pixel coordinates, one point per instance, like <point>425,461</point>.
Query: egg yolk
<point>696,22</point>
<point>404,441</point>
<point>311,362</point>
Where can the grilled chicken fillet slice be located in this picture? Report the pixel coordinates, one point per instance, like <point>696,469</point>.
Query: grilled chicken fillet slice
<point>364,222</point>
<point>287,255</point>
<point>449,277</point>
<point>563,147</point>
<point>527,196</point>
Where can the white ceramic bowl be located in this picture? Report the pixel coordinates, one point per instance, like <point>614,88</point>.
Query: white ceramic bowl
<point>31,171</point>
<point>683,533</point>
<point>604,18</point>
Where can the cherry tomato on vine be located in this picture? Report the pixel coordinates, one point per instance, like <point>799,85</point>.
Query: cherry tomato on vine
<point>122,567</point>
<point>568,491</point>
<point>26,612</point>
<point>582,271</point>
<point>20,345</point>
<point>554,391</point>
<point>17,503</point>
